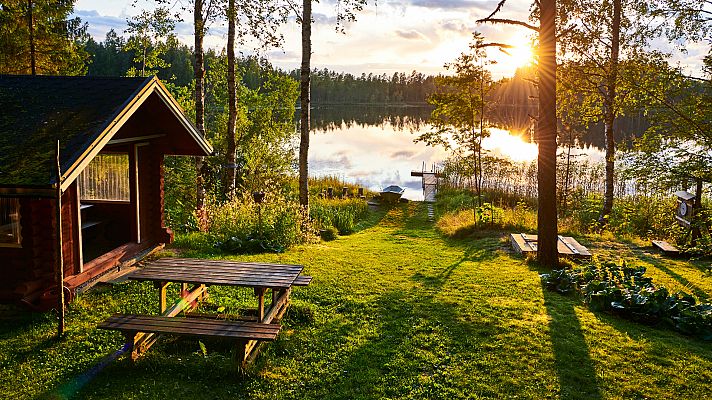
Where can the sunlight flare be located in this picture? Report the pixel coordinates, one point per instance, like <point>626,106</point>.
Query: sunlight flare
<point>502,143</point>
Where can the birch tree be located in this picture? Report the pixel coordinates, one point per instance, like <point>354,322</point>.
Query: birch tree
<point>346,11</point>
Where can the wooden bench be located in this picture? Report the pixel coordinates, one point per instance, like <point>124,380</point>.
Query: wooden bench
<point>302,280</point>
<point>241,331</point>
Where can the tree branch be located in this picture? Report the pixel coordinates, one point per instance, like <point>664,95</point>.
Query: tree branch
<point>496,10</point>
<point>509,22</point>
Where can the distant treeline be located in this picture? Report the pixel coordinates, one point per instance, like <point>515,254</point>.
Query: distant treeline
<point>513,98</point>
<point>331,87</point>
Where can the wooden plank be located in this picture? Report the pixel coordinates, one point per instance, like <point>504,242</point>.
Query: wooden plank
<point>665,247</point>
<point>519,243</point>
<point>192,327</point>
<point>580,250</point>
<point>218,271</point>
<point>199,262</point>
<point>120,321</point>
<point>566,245</point>
<point>196,279</point>
<point>162,286</point>
<point>302,280</point>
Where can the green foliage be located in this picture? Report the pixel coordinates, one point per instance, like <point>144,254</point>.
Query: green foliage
<point>458,216</point>
<point>342,214</point>
<point>242,226</point>
<point>329,233</point>
<point>149,33</point>
<point>642,216</point>
<point>626,291</point>
<point>57,38</point>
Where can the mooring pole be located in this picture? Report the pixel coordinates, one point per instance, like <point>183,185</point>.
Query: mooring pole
<point>60,258</point>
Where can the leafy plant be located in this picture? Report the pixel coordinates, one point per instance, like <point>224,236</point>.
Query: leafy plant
<point>626,291</point>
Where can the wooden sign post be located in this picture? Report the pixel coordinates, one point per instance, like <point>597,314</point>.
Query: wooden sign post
<point>60,259</point>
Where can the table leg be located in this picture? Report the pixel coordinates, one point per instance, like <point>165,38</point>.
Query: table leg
<point>240,355</point>
<point>162,297</point>
<point>260,304</point>
<point>183,289</point>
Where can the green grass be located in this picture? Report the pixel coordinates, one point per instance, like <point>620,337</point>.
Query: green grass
<point>394,311</point>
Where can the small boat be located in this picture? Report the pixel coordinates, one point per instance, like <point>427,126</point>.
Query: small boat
<point>392,194</point>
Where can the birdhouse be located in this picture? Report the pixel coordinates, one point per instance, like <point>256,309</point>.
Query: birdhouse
<point>685,206</point>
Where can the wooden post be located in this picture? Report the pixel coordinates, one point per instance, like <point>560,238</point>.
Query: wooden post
<point>59,263</point>
<point>696,211</point>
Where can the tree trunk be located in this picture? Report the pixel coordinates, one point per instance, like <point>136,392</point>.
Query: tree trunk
<point>199,26</point>
<point>232,100</point>
<point>547,253</point>
<point>31,28</point>
<point>306,105</point>
<point>609,109</point>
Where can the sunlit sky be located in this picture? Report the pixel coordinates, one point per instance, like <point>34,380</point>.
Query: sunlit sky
<point>393,35</point>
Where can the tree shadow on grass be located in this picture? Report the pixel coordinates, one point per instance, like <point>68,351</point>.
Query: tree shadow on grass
<point>411,353</point>
<point>573,364</point>
<point>659,264</point>
<point>575,368</point>
<point>471,254</point>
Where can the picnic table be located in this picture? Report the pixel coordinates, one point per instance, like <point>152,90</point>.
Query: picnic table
<point>142,331</point>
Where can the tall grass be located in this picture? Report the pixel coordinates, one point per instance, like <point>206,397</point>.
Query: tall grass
<point>342,214</point>
<point>242,226</point>
<point>642,216</point>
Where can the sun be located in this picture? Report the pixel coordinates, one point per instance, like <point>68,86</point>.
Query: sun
<point>520,55</point>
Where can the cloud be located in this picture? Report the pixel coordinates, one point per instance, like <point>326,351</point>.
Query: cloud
<point>403,154</point>
<point>410,34</point>
<point>340,161</point>
<point>455,4</point>
<point>99,24</point>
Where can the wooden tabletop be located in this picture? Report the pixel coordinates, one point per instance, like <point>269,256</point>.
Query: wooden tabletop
<point>215,272</point>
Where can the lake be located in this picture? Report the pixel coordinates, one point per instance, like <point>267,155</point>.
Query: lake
<point>373,146</point>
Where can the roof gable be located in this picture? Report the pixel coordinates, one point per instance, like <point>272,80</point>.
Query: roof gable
<point>81,112</point>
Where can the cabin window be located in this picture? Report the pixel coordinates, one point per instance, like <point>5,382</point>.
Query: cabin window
<point>106,178</point>
<point>10,222</point>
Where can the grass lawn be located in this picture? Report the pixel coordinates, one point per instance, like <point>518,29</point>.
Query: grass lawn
<point>394,311</point>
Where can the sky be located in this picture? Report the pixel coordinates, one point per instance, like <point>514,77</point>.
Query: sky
<point>390,36</point>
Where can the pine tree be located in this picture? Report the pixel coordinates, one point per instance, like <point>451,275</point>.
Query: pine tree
<point>40,38</point>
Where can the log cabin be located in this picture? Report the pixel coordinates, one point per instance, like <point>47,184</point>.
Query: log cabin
<point>113,134</point>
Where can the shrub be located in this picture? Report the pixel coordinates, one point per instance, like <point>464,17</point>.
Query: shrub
<point>329,233</point>
<point>342,214</point>
<point>626,291</point>
<point>243,226</point>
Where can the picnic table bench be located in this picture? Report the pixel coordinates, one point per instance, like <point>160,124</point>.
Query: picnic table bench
<point>142,331</point>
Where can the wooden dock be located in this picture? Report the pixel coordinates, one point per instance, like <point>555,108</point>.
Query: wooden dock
<point>568,247</point>
<point>430,184</point>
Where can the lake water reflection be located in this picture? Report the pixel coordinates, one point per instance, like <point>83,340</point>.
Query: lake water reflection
<point>373,146</point>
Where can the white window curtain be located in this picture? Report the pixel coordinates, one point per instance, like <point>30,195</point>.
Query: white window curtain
<point>106,178</point>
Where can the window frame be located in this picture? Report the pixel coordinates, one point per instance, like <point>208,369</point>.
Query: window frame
<point>18,243</point>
